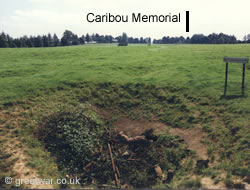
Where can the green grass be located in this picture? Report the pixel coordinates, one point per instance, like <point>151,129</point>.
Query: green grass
<point>169,82</point>
<point>25,72</point>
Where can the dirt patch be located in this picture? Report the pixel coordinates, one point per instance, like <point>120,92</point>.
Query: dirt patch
<point>137,127</point>
<point>12,146</point>
<point>209,184</point>
<point>105,113</point>
<point>20,169</point>
<point>193,138</point>
<point>197,114</point>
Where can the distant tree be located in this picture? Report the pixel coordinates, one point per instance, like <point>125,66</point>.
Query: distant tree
<point>199,39</point>
<point>75,40</point>
<point>87,38</point>
<point>136,40</point>
<point>29,42</point>
<point>38,41</point>
<point>141,40</point>
<point>32,41</point>
<point>93,37</point>
<point>131,40</point>
<point>50,41</point>
<point>45,41</point>
<point>188,40</point>
<point>233,40</point>
<point>67,38</point>
<point>64,42</point>
<point>55,40</point>
<point>123,41</point>
<point>17,42</point>
<point>165,40</point>
<point>23,41</point>
<point>10,42</point>
<point>108,39</point>
<point>213,38</point>
<point>82,39</point>
<point>221,39</point>
<point>181,40</point>
<point>246,38</point>
<point>101,39</point>
<point>3,41</point>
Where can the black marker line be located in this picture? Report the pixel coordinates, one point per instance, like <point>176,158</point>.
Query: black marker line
<point>187,21</point>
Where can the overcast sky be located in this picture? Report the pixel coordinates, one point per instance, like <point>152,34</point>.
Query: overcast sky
<point>33,17</point>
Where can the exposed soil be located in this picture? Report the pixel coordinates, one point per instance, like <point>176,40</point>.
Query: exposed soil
<point>193,138</point>
<point>12,146</point>
<point>20,168</point>
<point>137,127</point>
<point>197,114</point>
<point>209,184</point>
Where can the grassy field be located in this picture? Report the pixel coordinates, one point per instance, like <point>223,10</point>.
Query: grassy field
<point>25,72</point>
<point>178,86</point>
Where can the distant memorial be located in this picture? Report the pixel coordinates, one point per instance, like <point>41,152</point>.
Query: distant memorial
<point>149,41</point>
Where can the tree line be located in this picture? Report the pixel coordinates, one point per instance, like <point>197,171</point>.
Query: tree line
<point>69,39</point>
<point>199,39</point>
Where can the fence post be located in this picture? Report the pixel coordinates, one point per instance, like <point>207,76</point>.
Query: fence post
<point>243,79</point>
<point>225,88</point>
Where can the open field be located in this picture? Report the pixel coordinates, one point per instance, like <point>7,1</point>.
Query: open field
<point>25,72</point>
<point>174,89</point>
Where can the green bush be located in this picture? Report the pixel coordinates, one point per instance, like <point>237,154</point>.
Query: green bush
<point>73,134</point>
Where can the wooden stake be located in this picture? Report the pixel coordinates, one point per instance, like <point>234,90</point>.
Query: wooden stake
<point>88,165</point>
<point>118,172</point>
<point>243,79</point>
<point>225,88</point>
<point>113,165</point>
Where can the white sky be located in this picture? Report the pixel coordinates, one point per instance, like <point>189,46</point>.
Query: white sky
<point>33,17</point>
